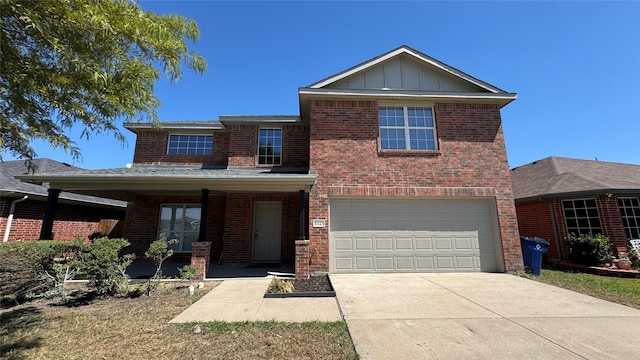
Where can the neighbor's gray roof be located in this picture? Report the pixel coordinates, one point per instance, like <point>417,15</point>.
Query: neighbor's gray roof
<point>10,186</point>
<point>558,175</point>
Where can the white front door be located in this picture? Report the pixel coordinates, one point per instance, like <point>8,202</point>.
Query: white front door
<point>266,231</point>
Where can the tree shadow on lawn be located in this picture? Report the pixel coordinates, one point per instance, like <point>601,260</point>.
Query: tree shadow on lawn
<point>16,331</point>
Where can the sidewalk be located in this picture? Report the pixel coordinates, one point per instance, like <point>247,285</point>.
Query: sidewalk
<point>241,300</point>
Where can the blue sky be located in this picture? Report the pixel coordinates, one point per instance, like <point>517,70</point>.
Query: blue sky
<point>574,65</point>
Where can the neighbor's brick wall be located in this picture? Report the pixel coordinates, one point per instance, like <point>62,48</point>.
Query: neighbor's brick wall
<point>151,149</point>
<point>534,220</point>
<point>72,222</point>
<point>238,232</point>
<point>472,155</point>
<point>141,223</point>
<point>611,222</point>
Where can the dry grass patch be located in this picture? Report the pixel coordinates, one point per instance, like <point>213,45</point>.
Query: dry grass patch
<point>137,328</point>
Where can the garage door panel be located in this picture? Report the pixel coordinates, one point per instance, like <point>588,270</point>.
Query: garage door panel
<point>425,263</point>
<point>364,263</point>
<point>363,243</point>
<point>411,235</point>
<point>384,263</point>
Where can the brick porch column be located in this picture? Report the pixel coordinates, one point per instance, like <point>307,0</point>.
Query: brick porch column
<point>302,259</point>
<point>200,256</point>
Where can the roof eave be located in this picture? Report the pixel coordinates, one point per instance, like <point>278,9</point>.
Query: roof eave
<point>576,194</point>
<point>501,99</point>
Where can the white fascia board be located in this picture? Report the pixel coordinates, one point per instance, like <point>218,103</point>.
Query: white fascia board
<point>431,61</point>
<point>502,98</point>
<point>259,119</point>
<point>198,126</point>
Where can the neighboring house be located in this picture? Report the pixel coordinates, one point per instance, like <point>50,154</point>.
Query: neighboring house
<point>395,165</point>
<point>76,217</point>
<point>557,196</point>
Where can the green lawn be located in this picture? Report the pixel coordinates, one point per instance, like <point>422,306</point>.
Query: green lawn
<point>620,290</point>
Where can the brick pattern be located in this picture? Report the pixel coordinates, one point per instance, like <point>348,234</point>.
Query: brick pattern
<point>151,149</point>
<point>295,146</point>
<point>72,222</point>
<point>534,220</point>
<point>470,160</point>
<point>302,259</point>
<point>201,256</point>
<point>243,145</point>
<point>611,221</point>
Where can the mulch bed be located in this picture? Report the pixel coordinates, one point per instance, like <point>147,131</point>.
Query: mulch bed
<point>314,286</point>
<point>600,270</point>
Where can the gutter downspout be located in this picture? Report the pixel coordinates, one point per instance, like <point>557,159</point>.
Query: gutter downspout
<point>7,228</point>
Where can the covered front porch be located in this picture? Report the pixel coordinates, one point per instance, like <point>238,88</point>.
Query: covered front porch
<point>219,216</point>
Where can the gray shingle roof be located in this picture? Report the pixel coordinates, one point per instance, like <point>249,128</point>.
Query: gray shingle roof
<point>9,185</point>
<point>558,175</point>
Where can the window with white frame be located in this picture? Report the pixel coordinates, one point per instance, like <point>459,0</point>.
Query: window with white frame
<point>581,216</point>
<point>190,145</point>
<point>180,222</point>
<point>407,128</point>
<point>630,211</point>
<point>270,147</point>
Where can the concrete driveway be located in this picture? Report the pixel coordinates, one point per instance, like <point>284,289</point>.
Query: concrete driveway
<point>481,316</point>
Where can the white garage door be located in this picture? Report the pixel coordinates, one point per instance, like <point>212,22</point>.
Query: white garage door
<point>411,236</point>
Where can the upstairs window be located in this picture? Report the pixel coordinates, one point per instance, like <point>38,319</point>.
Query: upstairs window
<point>270,147</point>
<point>581,216</point>
<point>190,145</point>
<point>407,128</point>
<point>630,211</point>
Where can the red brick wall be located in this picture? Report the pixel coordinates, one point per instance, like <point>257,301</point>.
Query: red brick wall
<point>344,151</point>
<point>611,221</point>
<point>72,222</point>
<point>238,233</point>
<point>151,149</point>
<point>243,145</point>
<point>295,143</point>
<point>534,220</point>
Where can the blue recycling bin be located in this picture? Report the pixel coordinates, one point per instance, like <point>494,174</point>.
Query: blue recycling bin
<point>532,250</point>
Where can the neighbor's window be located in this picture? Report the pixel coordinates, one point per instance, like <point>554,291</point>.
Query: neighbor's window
<point>190,145</point>
<point>270,147</point>
<point>630,211</point>
<point>581,216</point>
<point>407,128</point>
<point>180,222</point>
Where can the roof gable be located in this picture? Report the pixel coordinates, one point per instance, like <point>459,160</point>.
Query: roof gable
<point>407,69</point>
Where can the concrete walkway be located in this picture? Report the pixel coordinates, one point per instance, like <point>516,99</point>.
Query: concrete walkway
<point>480,316</point>
<point>241,300</point>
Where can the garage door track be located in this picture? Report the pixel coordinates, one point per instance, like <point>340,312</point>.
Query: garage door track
<point>480,316</point>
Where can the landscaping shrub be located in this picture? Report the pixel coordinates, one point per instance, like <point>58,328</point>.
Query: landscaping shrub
<point>159,251</point>
<point>103,266</point>
<point>588,249</point>
<point>28,269</point>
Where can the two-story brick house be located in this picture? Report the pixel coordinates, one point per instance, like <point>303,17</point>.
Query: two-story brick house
<point>396,164</point>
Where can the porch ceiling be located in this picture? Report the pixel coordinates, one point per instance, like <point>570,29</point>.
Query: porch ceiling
<point>126,183</point>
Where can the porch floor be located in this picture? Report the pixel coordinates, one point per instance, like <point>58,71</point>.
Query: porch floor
<point>144,270</point>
